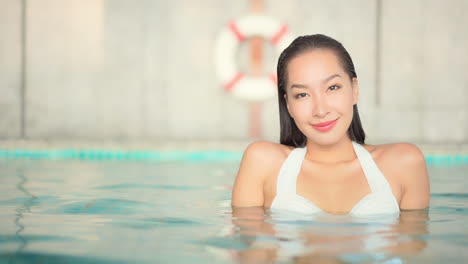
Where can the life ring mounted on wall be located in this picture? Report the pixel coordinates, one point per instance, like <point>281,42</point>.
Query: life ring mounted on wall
<point>241,85</point>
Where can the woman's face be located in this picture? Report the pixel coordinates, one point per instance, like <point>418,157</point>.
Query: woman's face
<point>319,90</point>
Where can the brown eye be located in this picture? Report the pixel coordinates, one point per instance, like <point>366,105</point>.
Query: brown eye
<point>300,95</point>
<point>334,87</point>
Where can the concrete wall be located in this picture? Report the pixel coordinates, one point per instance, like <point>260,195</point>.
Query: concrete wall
<point>122,69</point>
<point>10,68</point>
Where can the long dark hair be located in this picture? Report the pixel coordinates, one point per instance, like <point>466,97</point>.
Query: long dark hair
<point>290,133</point>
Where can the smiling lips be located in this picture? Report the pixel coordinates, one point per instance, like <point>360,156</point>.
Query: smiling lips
<point>325,126</point>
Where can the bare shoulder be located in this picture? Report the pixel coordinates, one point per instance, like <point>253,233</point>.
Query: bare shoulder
<point>266,151</point>
<point>259,161</point>
<point>404,154</point>
<point>406,165</point>
<point>262,157</point>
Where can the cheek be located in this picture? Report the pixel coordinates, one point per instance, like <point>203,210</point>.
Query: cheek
<point>299,110</point>
<point>343,102</point>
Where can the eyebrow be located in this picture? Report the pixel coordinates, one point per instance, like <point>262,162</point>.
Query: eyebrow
<point>305,86</point>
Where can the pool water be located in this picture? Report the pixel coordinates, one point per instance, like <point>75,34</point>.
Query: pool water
<point>73,211</point>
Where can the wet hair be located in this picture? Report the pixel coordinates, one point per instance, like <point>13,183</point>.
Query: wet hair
<point>290,134</point>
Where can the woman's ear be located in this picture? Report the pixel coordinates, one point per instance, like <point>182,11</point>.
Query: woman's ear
<point>355,91</point>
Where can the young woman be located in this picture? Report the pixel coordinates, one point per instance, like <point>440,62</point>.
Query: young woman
<point>322,163</point>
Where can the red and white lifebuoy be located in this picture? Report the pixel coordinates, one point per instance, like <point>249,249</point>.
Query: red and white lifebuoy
<point>240,84</point>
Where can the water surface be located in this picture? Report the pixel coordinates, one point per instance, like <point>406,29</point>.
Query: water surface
<point>179,212</point>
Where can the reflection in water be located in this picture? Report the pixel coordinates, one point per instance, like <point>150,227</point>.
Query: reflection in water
<point>327,238</point>
<point>25,208</point>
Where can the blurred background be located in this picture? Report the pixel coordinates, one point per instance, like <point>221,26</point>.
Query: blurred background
<point>142,73</point>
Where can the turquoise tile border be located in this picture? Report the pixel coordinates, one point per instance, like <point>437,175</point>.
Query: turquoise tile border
<point>199,156</point>
<point>121,155</point>
<point>450,160</point>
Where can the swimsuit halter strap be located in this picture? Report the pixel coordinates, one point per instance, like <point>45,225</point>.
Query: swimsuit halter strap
<point>374,176</point>
<point>286,182</point>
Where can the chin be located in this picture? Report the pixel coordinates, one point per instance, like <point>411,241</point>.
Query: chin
<point>326,139</point>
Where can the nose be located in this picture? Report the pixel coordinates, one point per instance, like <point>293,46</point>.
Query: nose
<point>320,108</point>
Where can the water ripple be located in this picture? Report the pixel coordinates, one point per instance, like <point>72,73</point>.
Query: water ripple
<point>450,195</point>
<point>103,206</point>
<point>31,238</point>
<point>29,257</point>
<point>148,186</point>
<point>156,222</point>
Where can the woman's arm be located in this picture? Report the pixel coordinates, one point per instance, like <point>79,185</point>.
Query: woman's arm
<point>414,177</point>
<point>248,186</point>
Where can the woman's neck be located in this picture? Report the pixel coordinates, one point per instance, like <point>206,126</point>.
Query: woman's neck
<point>340,152</point>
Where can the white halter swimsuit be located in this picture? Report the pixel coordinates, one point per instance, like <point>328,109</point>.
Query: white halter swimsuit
<point>380,201</point>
